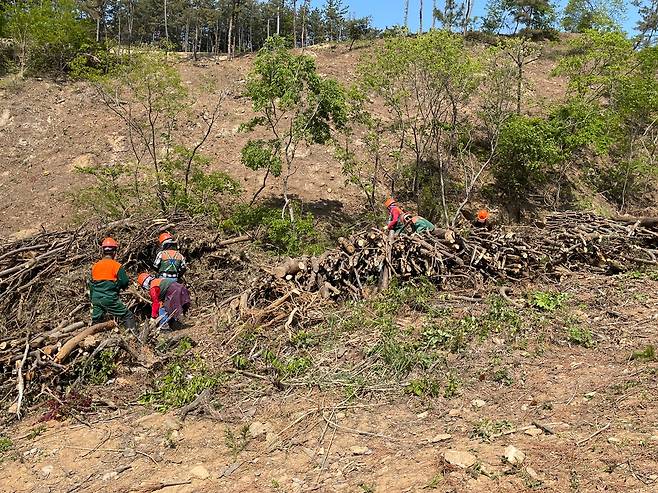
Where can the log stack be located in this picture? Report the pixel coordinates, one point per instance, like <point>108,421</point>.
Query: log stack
<point>564,241</point>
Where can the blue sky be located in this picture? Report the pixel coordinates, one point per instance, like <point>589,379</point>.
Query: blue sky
<point>389,12</point>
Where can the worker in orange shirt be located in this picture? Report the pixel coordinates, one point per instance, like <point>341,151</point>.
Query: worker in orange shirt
<point>108,279</point>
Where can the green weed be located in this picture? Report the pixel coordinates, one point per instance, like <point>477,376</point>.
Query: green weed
<point>103,367</point>
<point>547,301</point>
<point>579,336</point>
<point>502,376</point>
<point>452,386</point>
<point>5,444</point>
<point>237,442</point>
<point>646,354</point>
<point>303,339</point>
<point>434,482</point>
<point>180,385</point>
<point>423,387</point>
<point>486,429</point>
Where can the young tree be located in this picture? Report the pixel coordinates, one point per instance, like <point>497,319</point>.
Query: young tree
<point>406,14</point>
<point>451,16</point>
<point>47,35</point>
<point>295,106</point>
<point>334,17</point>
<point>581,15</point>
<point>522,52</point>
<point>358,29</point>
<point>425,83</point>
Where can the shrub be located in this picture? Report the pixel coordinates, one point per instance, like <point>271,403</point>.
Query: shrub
<point>547,301</point>
<point>581,337</point>
<point>281,235</point>
<point>527,151</point>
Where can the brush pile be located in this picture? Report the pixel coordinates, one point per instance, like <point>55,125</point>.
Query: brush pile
<point>45,337</point>
<point>367,261</point>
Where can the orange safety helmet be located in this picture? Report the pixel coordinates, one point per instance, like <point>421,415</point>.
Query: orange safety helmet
<point>142,278</point>
<point>165,237</point>
<point>483,215</point>
<point>109,244</point>
<point>389,202</point>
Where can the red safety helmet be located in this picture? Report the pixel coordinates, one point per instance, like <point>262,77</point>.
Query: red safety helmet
<point>483,215</point>
<point>164,237</point>
<point>109,244</point>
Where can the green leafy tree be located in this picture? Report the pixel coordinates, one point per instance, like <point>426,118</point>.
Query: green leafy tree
<point>425,83</point>
<point>509,15</point>
<point>47,35</point>
<point>527,150</point>
<point>451,16</point>
<point>581,15</point>
<point>334,13</point>
<point>295,106</point>
<point>596,63</point>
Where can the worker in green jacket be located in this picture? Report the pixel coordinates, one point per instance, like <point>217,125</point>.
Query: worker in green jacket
<point>418,224</point>
<point>108,278</point>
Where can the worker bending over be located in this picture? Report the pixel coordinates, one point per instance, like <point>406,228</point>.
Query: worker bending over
<point>169,261</point>
<point>395,216</point>
<point>108,278</point>
<point>483,219</point>
<point>170,300</point>
<point>418,224</point>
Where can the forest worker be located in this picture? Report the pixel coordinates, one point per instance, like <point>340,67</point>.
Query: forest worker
<point>418,224</point>
<point>170,300</point>
<point>395,219</point>
<point>483,219</point>
<point>108,278</point>
<point>169,261</point>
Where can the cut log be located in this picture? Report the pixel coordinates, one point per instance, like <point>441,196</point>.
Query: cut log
<point>289,268</point>
<point>72,343</point>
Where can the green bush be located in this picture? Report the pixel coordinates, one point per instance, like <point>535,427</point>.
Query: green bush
<point>280,234</point>
<point>527,151</point>
<point>547,301</point>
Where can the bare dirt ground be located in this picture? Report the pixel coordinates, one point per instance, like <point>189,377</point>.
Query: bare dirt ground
<point>596,409</point>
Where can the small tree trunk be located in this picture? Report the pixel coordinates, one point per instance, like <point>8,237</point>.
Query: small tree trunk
<point>433,14</point>
<point>294,23</point>
<point>165,21</point>
<point>420,26</point>
<point>519,81</point>
<point>278,19</point>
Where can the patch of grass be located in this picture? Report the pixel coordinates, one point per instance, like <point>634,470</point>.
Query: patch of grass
<point>580,336</point>
<point>547,301</point>
<point>434,482</point>
<point>502,375</point>
<point>5,444</point>
<point>237,442</point>
<point>452,387</point>
<point>646,354</point>
<point>303,339</point>
<point>36,431</point>
<point>423,387</point>
<point>486,429</point>
<point>366,488</point>
<point>287,367</point>
<point>180,385</point>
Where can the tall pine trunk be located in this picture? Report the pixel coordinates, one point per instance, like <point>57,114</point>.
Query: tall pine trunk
<point>467,15</point>
<point>420,26</point>
<point>294,23</point>
<point>406,14</point>
<point>433,14</point>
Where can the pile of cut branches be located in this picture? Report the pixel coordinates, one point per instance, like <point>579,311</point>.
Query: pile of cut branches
<point>369,260</point>
<point>45,336</point>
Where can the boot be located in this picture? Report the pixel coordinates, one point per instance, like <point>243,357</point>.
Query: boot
<point>130,324</point>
